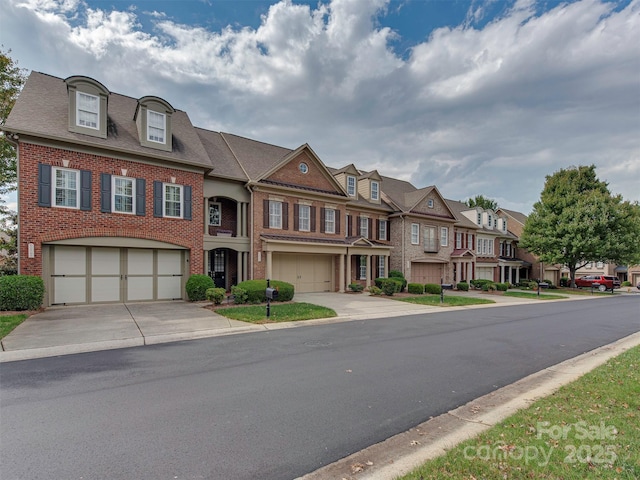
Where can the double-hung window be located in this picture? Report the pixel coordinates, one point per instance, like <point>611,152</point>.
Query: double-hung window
<point>381,270</point>
<point>329,220</point>
<point>444,236</point>
<point>215,214</point>
<point>172,200</point>
<point>363,267</point>
<point>124,193</point>
<point>351,186</point>
<point>364,227</point>
<point>275,214</point>
<point>458,240</point>
<point>156,126</point>
<point>415,234</point>
<point>65,192</point>
<point>382,230</point>
<point>375,190</point>
<point>87,110</point>
<point>304,215</point>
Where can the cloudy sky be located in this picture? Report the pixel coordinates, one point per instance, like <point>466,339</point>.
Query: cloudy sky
<point>475,96</point>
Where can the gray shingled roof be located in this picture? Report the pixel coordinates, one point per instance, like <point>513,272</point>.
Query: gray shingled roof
<point>256,157</point>
<point>43,109</point>
<point>458,208</point>
<point>396,190</point>
<point>519,217</point>
<point>224,163</point>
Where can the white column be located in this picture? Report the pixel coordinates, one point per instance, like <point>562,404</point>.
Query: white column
<point>239,267</point>
<point>206,216</point>
<point>341,279</point>
<point>518,275</point>
<point>501,274</point>
<point>245,265</point>
<point>369,260</point>
<point>386,265</point>
<point>267,270</point>
<point>348,275</point>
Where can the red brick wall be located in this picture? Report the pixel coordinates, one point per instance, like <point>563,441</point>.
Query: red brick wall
<point>46,224</point>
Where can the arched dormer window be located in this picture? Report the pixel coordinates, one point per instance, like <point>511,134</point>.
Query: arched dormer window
<point>153,119</point>
<point>88,100</point>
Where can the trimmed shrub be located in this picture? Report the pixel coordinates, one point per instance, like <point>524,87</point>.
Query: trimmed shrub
<point>356,287</point>
<point>239,295</point>
<point>415,288</point>
<point>463,286</point>
<point>480,282</point>
<point>398,275</point>
<point>626,283</point>
<point>21,292</point>
<point>257,290</point>
<point>215,295</point>
<point>489,287</point>
<point>390,286</point>
<point>373,290</point>
<point>502,287</point>
<point>197,286</point>
<point>433,288</point>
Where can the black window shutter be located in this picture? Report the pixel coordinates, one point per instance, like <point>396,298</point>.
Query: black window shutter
<point>313,219</point>
<point>296,217</point>
<point>370,229</point>
<point>358,226</point>
<point>157,199</point>
<point>187,202</point>
<point>141,202</point>
<point>322,219</point>
<point>388,230</point>
<point>378,229</point>
<point>337,221</point>
<point>285,216</point>
<point>265,213</point>
<point>105,192</point>
<point>85,190</point>
<point>349,225</point>
<point>44,185</point>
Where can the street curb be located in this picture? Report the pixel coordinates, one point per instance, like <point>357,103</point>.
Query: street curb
<point>402,453</point>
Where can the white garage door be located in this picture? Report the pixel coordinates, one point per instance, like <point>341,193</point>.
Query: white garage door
<point>307,273</point>
<point>102,274</point>
<point>484,273</point>
<point>426,272</point>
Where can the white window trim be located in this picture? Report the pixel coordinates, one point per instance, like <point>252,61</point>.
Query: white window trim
<point>375,192</point>
<point>430,203</point>
<point>54,188</point>
<point>458,240</point>
<point>304,222</point>
<point>329,212</point>
<point>382,230</point>
<point>275,217</point>
<point>381,270</point>
<point>219,205</point>
<point>96,113</point>
<point>364,227</point>
<point>164,200</point>
<point>444,236</point>
<point>150,113</point>
<point>113,194</point>
<point>363,267</point>
<point>351,189</point>
<point>415,234</point>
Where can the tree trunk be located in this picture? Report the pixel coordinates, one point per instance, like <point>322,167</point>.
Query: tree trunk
<point>572,274</point>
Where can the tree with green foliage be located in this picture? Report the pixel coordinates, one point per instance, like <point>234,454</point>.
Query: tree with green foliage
<point>482,202</point>
<point>578,221</point>
<point>12,79</point>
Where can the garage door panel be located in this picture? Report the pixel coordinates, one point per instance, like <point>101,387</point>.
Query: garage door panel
<point>70,290</point>
<point>139,262</point>
<point>307,273</point>
<point>426,273</point>
<point>139,288</point>
<point>169,262</point>
<point>169,288</point>
<point>105,289</point>
<point>105,261</point>
<point>484,273</point>
<point>70,261</point>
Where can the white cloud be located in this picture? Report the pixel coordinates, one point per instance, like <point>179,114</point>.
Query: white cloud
<point>488,110</point>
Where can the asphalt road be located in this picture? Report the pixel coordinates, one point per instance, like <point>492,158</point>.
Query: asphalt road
<point>277,404</point>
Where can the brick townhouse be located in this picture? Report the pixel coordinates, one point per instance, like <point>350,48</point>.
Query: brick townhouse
<point>121,199</point>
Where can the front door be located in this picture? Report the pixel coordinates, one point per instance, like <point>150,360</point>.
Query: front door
<point>219,267</point>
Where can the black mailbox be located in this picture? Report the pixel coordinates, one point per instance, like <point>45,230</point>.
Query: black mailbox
<point>272,293</point>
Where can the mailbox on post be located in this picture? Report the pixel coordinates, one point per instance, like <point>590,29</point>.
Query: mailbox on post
<point>272,293</point>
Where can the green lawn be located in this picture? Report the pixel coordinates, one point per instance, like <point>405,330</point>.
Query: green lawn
<point>583,291</point>
<point>449,301</point>
<point>534,296</point>
<point>9,322</point>
<point>285,312</point>
<point>586,430</point>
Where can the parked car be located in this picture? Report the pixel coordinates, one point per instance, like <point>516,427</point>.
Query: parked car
<point>601,282</point>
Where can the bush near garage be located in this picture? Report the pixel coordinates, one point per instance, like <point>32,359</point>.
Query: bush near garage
<point>21,292</point>
<point>356,287</point>
<point>373,290</point>
<point>215,295</point>
<point>390,285</point>
<point>398,274</point>
<point>502,287</point>
<point>257,290</point>
<point>480,282</point>
<point>433,288</point>
<point>489,287</point>
<point>415,288</point>
<point>197,286</point>
<point>463,286</point>
<point>239,295</point>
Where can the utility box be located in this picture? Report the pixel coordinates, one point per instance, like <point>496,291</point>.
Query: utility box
<point>272,293</point>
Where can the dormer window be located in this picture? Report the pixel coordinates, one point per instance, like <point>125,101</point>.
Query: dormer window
<point>351,186</point>
<point>153,119</point>
<point>156,126</point>
<point>479,220</point>
<point>430,203</point>
<point>87,110</point>
<point>504,225</point>
<point>490,221</point>
<point>375,192</point>
<point>87,106</point>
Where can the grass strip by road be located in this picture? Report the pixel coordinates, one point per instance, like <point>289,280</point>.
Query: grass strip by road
<point>449,301</point>
<point>578,291</point>
<point>534,296</point>
<point>284,312</point>
<point>9,322</point>
<point>588,429</point>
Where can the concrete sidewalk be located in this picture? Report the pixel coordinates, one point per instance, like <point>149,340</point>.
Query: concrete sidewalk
<point>78,329</point>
